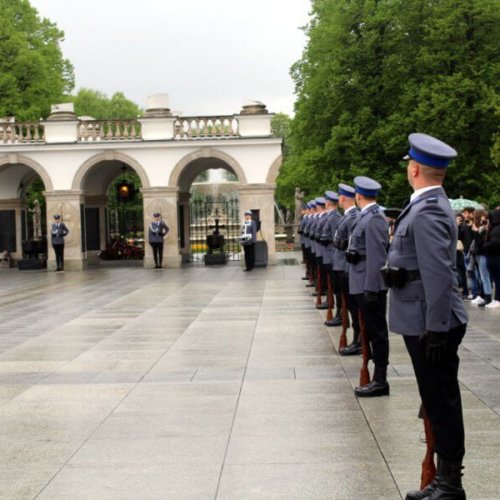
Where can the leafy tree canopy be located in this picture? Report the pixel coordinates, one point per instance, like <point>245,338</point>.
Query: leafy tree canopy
<point>374,71</point>
<point>33,71</point>
<point>93,103</point>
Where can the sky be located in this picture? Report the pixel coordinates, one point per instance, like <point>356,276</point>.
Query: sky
<point>210,57</point>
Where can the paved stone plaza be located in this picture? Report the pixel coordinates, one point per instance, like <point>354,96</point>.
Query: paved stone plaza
<point>204,383</point>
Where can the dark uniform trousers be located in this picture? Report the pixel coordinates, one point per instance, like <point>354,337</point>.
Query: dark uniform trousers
<point>157,253</point>
<point>59,251</point>
<point>373,313</point>
<point>342,283</point>
<point>249,256</point>
<point>440,394</point>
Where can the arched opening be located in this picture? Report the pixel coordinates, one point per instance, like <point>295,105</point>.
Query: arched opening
<point>209,218</point>
<point>23,227</point>
<point>112,213</point>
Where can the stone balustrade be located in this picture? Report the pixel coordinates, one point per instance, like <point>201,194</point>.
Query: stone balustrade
<point>109,130</point>
<point>184,128</point>
<point>208,127</point>
<point>21,133</point>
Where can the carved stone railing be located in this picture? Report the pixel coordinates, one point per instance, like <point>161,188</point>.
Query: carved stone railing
<point>109,130</point>
<point>209,127</point>
<point>21,133</point>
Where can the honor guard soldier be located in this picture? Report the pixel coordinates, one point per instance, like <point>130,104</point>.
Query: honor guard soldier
<point>57,233</point>
<point>427,309</point>
<point>318,247</point>
<point>311,264</point>
<point>300,231</point>
<point>327,236</point>
<point>340,266</point>
<point>248,239</point>
<point>157,232</point>
<point>366,255</point>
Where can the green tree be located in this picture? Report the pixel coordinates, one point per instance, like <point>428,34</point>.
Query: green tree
<point>89,102</point>
<point>33,71</point>
<point>374,71</point>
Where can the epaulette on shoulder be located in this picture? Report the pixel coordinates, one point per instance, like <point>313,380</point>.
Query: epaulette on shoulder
<point>432,199</point>
<point>375,210</point>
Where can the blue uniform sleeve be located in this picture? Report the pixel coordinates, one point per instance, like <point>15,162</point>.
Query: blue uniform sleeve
<point>376,254</point>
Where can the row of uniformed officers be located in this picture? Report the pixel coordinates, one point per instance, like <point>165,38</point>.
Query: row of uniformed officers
<point>348,257</point>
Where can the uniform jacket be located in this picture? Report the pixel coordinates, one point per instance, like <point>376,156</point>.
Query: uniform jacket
<point>249,227</point>
<point>157,231</point>
<point>301,229</point>
<point>369,239</point>
<point>322,221</point>
<point>425,239</point>
<point>344,231</point>
<point>57,233</point>
<point>312,232</point>
<point>328,233</point>
<point>307,228</point>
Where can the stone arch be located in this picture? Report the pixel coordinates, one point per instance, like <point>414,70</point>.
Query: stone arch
<point>106,156</point>
<point>15,158</point>
<point>207,152</point>
<point>274,169</point>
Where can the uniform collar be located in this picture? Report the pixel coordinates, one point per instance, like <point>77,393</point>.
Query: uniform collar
<point>350,209</point>
<point>421,191</point>
<point>366,207</point>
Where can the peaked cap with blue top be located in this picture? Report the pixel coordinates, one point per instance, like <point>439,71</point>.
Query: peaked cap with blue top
<point>332,196</point>
<point>429,151</point>
<point>367,186</point>
<point>346,190</point>
<point>320,201</point>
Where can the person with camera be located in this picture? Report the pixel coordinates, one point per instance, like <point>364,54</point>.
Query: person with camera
<point>156,234</point>
<point>248,238</point>
<point>366,255</point>
<point>476,251</point>
<point>427,309</point>
<point>58,231</point>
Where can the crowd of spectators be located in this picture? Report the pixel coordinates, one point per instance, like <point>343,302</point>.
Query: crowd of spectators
<point>478,256</point>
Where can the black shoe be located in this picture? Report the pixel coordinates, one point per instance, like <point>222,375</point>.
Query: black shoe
<point>309,285</point>
<point>372,390</point>
<point>420,494</point>
<point>337,321</point>
<point>449,481</point>
<point>305,278</point>
<point>322,306</point>
<point>352,349</point>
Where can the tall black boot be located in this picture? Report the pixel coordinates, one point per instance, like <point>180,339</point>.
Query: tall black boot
<point>377,387</point>
<point>427,491</point>
<point>449,483</point>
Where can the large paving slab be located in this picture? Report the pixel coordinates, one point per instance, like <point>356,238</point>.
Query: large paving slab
<point>211,383</point>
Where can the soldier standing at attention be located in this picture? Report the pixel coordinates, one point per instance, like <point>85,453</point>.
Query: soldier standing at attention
<point>366,255</point>
<point>329,229</point>
<point>57,233</point>
<point>157,231</point>
<point>340,266</point>
<point>248,239</point>
<point>427,309</point>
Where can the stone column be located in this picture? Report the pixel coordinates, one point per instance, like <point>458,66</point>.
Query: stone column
<point>67,204</point>
<point>184,207</point>
<point>261,197</point>
<point>163,200</point>
<point>17,206</point>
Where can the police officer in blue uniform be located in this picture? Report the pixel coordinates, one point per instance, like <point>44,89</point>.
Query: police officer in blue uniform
<point>248,239</point>
<point>366,255</point>
<point>326,239</point>
<point>57,233</point>
<point>319,250</point>
<point>157,232</point>
<point>427,309</point>
<point>311,259</point>
<point>340,266</point>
